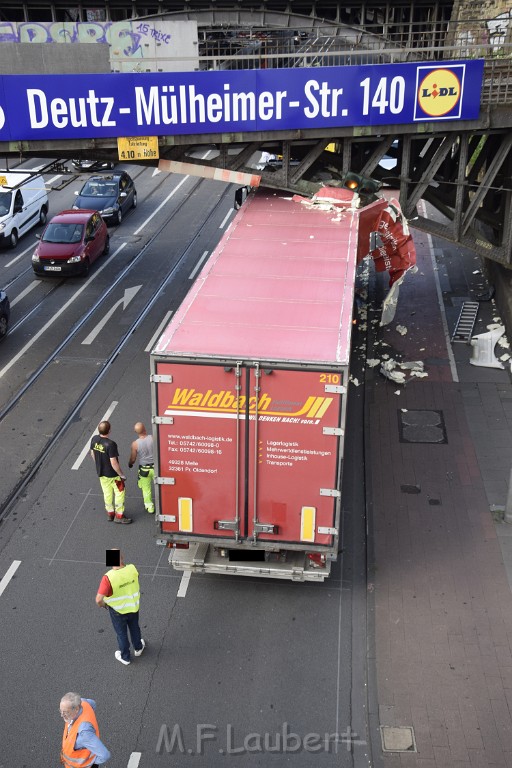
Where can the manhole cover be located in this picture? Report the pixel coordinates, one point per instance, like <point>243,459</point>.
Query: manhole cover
<point>397,738</point>
<point>421,427</point>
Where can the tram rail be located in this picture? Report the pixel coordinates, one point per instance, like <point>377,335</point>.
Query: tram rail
<point>35,462</point>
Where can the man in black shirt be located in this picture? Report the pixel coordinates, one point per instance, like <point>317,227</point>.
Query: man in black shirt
<point>105,454</point>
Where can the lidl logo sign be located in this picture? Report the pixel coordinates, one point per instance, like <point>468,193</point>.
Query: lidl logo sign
<point>439,92</point>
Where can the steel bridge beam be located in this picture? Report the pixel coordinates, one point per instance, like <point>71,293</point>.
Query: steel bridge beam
<point>465,175</point>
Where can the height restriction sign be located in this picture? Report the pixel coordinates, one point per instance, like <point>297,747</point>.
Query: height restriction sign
<point>138,148</point>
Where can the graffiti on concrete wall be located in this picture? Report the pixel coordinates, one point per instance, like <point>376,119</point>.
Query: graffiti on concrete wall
<point>499,27</point>
<point>125,37</point>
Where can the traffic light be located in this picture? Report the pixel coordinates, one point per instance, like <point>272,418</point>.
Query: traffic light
<point>361,184</point>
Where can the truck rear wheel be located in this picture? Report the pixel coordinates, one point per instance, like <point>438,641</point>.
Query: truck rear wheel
<point>14,238</point>
<point>43,215</point>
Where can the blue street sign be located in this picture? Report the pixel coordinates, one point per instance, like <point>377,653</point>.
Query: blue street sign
<point>134,104</point>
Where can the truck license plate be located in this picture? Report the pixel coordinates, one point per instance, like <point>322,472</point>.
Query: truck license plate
<point>52,269</point>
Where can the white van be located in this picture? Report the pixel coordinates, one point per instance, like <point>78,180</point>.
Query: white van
<point>23,205</point>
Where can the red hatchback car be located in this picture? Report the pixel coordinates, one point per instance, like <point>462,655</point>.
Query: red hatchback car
<point>70,243</point>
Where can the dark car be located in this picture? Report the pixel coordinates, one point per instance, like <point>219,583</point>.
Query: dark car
<point>70,243</point>
<point>5,313</point>
<point>93,165</point>
<point>111,195</point>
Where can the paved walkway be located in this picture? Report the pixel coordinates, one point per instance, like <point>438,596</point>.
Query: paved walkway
<point>439,455</point>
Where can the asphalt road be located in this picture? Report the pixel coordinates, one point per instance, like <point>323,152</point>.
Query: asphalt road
<point>237,671</point>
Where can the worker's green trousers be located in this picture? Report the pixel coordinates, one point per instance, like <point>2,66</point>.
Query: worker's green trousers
<point>145,483</point>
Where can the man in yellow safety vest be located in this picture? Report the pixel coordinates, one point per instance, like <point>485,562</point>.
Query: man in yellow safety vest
<point>119,593</point>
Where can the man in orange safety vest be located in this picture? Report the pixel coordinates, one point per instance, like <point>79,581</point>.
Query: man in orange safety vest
<point>81,745</point>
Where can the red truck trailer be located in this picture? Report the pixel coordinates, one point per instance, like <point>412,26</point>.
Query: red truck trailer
<point>249,391</point>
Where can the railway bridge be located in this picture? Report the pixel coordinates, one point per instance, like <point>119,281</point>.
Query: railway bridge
<point>461,168</point>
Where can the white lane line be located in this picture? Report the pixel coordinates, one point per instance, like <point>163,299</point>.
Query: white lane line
<point>157,566</point>
<point>55,317</point>
<point>134,760</point>
<point>54,179</point>
<point>158,332</point>
<point>225,219</point>
<point>82,505</point>
<point>22,295</point>
<point>18,257</point>
<point>185,579</point>
<point>101,563</point>
<point>9,574</point>
<point>161,205</point>
<point>198,265</point>
<point>85,450</point>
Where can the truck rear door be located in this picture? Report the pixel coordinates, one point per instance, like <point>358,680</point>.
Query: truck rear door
<point>247,452</point>
<point>294,452</point>
<point>200,435</point>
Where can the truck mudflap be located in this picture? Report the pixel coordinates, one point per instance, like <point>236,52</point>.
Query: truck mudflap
<point>203,558</point>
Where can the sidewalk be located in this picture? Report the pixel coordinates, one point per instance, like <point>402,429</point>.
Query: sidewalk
<point>439,455</point>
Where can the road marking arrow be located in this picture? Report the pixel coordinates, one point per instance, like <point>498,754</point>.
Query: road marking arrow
<point>128,296</point>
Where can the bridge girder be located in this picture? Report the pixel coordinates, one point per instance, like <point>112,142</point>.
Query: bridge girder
<point>463,172</point>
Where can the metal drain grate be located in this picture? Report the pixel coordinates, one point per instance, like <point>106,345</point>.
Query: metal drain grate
<point>466,322</point>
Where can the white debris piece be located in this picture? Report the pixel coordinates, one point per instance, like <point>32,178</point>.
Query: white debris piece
<point>503,342</point>
<point>397,392</point>
<point>385,357</point>
<point>404,410</point>
<point>477,272</point>
<point>371,363</point>
<point>402,330</point>
<point>391,300</point>
<point>354,381</point>
<point>397,376</point>
<point>505,357</point>
<point>414,367</point>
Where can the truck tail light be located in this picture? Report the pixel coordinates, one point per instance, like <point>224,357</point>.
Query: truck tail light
<point>307,523</point>
<point>185,519</point>
<point>316,559</point>
<point>177,545</point>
